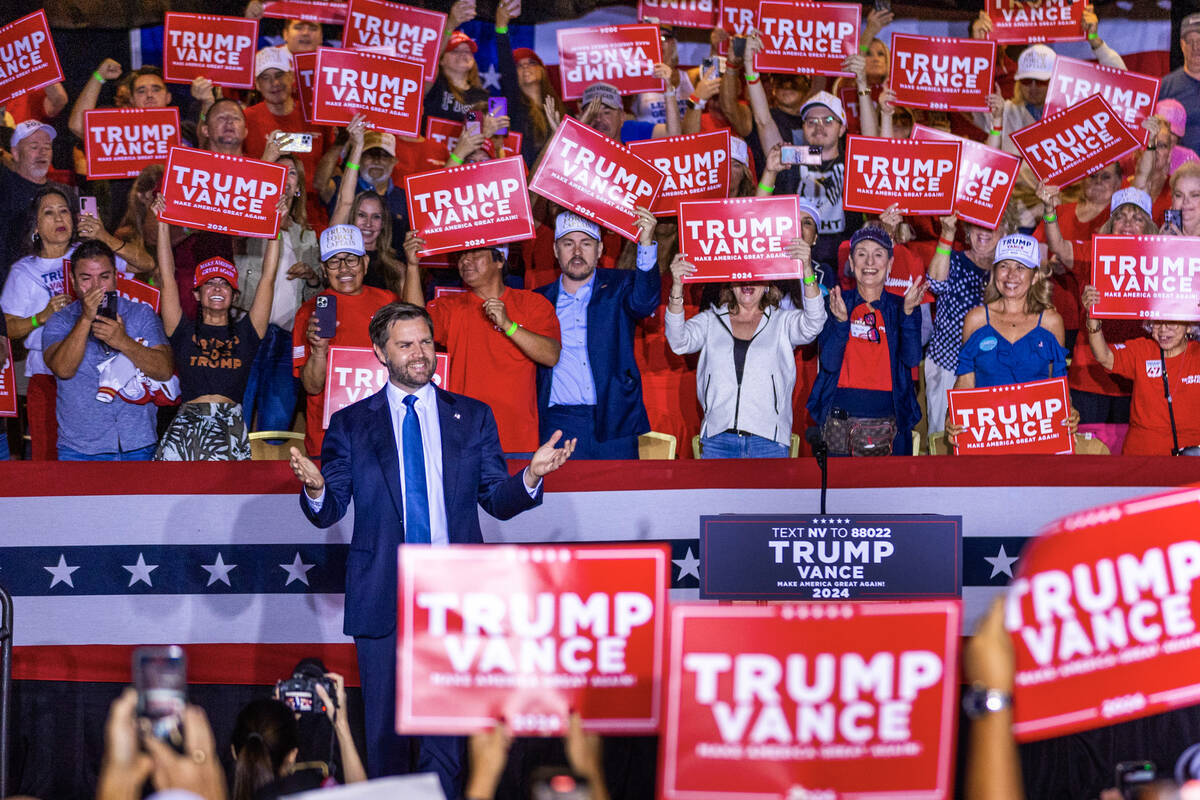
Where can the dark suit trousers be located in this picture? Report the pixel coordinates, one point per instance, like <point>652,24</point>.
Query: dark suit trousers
<point>387,752</point>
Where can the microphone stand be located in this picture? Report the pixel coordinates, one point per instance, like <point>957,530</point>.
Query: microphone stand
<point>821,453</point>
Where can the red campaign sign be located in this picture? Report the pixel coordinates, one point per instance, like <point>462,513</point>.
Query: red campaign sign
<point>446,132</point>
<point>1020,418</point>
<point>413,34</point>
<point>696,165</point>
<point>1023,22</point>
<point>121,142</point>
<point>1147,277</point>
<point>986,177</point>
<point>388,90</point>
<point>1130,95</point>
<point>849,97</point>
<point>1102,616</point>
<point>621,55</point>
<point>28,60</point>
<point>469,206</point>
<point>740,238</point>
<point>207,46</point>
<point>919,175</point>
<point>588,173</point>
<point>305,65</point>
<point>222,193</point>
<point>681,13</point>
<point>8,384</point>
<point>130,289</point>
<point>940,72</point>
<point>1069,145</point>
<point>807,37</point>
<point>354,373</point>
<point>849,700</point>
<point>308,10</point>
<point>528,634</point>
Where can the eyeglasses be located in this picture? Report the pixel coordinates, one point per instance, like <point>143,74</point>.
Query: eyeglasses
<point>1033,82</point>
<point>872,324</point>
<point>347,262</point>
<point>814,121</point>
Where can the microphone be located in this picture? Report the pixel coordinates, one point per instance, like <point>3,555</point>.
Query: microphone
<point>821,453</point>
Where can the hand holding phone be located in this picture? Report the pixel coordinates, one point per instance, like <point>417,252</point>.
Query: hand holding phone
<point>738,48</point>
<point>1173,216</point>
<point>472,124</point>
<point>325,314</point>
<point>498,107</point>
<point>160,677</point>
<point>87,207</point>
<point>108,306</point>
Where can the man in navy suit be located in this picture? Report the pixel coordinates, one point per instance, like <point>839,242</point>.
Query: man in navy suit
<point>417,461</point>
<point>594,393</point>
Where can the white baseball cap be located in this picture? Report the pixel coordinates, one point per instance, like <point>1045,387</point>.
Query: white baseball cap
<point>827,100</point>
<point>1036,62</point>
<point>1020,248</point>
<point>341,239</point>
<point>28,128</point>
<point>738,151</point>
<point>1131,195</point>
<point>573,223</point>
<point>272,58</point>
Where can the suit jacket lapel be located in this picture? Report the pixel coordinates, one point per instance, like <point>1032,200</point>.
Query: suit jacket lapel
<point>450,423</point>
<point>382,437</point>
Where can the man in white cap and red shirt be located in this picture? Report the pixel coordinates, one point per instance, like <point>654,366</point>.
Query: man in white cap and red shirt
<point>275,81</point>
<point>31,150</point>
<point>345,265</point>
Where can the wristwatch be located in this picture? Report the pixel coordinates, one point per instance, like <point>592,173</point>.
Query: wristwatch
<point>979,701</point>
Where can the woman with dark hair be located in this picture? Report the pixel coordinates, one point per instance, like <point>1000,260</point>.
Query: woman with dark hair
<point>34,291</point>
<point>747,365</point>
<point>271,388</point>
<point>527,87</point>
<point>213,353</point>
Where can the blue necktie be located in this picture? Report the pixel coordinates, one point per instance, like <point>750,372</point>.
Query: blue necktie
<point>416,495</point>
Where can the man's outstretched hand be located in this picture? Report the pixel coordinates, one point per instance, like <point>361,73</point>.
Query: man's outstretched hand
<point>548,458</point>
<point>307,473</point>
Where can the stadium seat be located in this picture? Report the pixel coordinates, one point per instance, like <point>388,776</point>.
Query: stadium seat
<point>654,446</point>
<point>263,450</point>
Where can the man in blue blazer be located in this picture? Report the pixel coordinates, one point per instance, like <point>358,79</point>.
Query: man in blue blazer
<point>416,461</point>
<point>594,393</point>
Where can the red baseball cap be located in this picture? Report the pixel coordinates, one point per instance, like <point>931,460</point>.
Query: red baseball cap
<point>216,267</point>
<point>525,53</point>
<point>458,37</point>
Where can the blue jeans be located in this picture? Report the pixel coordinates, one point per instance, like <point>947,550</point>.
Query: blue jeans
<point>143,454</point>
<point>731,445</point>
<point>270,387</point>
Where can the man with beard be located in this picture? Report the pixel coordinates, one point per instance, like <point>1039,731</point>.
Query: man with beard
<point>416,460</point>
<point>594,392</point>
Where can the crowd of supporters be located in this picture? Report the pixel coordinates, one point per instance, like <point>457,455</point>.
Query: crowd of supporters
<point>577,329</point>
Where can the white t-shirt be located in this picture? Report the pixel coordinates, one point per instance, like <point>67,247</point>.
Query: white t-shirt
<point>31,283</point>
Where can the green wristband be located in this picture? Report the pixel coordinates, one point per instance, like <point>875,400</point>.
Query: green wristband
<point>34,321</point>
<point>1048,218</point>
<point>810,280</point>
<point>457,159</point>
<point>942,250</point>
<point>501,29</point>
<point>995,132</point>
<point>864,48</point>
<point>767,189</point>
<point>752,77</point>
<point>351,165</point>
<point>98,76</point>
<point>511,329</point>
<point>1093,36</point>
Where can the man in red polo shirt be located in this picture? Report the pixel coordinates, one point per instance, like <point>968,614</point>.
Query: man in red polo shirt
<point>275,80</point>
<point>496,337</point>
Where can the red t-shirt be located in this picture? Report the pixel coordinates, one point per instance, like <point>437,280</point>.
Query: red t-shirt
<point>867,363</point>
<point>259,124</point>
<point>1149,423</point>
<point>417,155</point>
<point>487,365</point>
<point>354,312</point>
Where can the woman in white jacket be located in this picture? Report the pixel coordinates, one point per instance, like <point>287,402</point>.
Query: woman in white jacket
<point>747,368</point>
